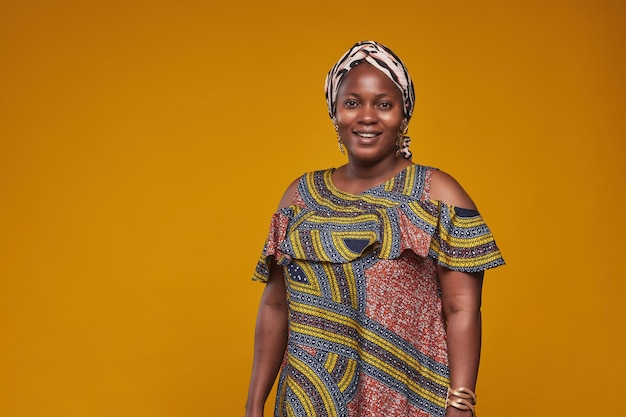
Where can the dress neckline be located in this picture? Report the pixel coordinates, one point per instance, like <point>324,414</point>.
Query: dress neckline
<point>347,195</point>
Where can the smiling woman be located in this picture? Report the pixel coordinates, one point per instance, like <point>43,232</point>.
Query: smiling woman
<point>373,270</point>
<point>369,122</point>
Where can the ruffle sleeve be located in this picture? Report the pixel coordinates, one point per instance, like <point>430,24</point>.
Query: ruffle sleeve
<point>463,242</point>
<point>453,237</point>
<point>271,250</point>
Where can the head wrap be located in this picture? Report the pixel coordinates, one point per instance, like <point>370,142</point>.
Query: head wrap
<point>383,59</point>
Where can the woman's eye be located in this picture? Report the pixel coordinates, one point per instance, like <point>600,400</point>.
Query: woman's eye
<point>384,105</point>
<point>350,103</point>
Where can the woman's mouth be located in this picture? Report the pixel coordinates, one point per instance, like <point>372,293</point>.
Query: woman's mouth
<point>366,135</point>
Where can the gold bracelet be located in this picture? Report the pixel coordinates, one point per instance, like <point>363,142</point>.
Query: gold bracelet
<point>462,401</point>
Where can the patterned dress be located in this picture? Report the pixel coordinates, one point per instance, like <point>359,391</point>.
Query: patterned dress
<point>366,331</point>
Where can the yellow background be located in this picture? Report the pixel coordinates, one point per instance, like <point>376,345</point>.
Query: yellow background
<point>145,144</point>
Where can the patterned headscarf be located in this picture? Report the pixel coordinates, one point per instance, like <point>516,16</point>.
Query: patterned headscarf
<point>383,59</point>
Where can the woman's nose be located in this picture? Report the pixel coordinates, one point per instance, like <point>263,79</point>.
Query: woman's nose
<point>368,114</point>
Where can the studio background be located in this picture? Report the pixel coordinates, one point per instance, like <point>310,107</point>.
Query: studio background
<point>144,146</point>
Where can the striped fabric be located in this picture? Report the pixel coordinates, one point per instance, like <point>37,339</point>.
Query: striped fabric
<point>366,335</point>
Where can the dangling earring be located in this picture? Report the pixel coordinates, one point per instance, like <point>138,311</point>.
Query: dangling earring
<point>403,141</point>
<point>339,143</point>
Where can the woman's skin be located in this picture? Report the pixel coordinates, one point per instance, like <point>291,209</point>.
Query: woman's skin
<point>369,117</point>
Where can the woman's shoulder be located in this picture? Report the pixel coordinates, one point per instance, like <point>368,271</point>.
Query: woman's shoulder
<point>445,188</point>
<point>292,190</point>
<point>289,194</point>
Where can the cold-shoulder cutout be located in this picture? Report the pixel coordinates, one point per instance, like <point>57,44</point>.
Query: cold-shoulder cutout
<point>289,194</point>
<point>446,189</point>
<point>323,224</point>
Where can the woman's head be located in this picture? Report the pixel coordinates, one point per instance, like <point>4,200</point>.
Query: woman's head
<point>369,117</point>
<point>380,57</point>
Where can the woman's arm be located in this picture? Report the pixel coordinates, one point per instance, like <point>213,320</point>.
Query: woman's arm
<point>270,341</point>
<point>461,299</point>
<point>270,337</point>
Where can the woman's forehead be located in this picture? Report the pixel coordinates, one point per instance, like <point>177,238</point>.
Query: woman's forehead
<point>366,77</point>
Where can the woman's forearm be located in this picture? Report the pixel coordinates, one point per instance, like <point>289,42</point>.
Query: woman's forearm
<point>464,339</point>
<point>461,299</point>
<point>269,349</point>
<point>270,341</point>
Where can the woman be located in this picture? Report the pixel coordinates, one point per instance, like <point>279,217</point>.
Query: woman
<point>373,270</point>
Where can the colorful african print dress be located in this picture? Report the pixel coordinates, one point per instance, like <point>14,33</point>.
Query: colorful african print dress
<point>366,331</point>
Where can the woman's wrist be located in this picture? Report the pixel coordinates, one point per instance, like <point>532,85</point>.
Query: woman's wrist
<point>454,412</point>
<point>254,410</point>
<point>461,399</point>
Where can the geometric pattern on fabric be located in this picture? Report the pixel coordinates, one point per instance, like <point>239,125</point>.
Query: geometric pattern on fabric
<point>352,262</point>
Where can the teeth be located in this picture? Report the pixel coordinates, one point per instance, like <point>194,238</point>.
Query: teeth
<point>366,135</point>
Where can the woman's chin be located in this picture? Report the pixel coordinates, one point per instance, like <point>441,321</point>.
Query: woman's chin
<point>369,155</point>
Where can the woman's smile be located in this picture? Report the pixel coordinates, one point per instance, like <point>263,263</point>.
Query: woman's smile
<point>369,114</point>
<point>367,135</point>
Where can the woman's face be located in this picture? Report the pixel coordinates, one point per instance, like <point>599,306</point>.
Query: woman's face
<point>369,114</point>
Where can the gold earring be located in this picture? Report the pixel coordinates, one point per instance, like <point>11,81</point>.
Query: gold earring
<point>402,143</point>
<point>404,126</point>
<point>339,143</point>
<point>341,146</point>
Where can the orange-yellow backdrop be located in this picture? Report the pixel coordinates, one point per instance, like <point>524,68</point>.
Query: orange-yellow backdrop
<point>144,145</point>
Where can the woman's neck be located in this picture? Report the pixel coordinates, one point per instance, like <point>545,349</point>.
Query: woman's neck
<point>358,177</point>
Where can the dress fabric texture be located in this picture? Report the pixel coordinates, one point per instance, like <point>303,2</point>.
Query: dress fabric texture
<point>366,330</point>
